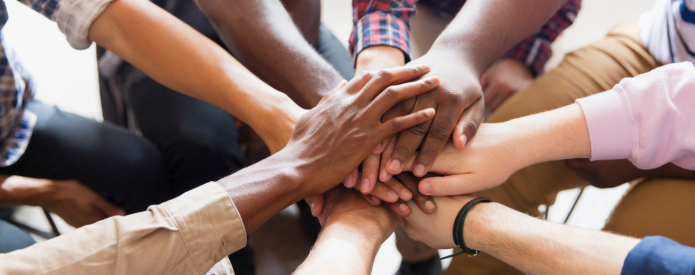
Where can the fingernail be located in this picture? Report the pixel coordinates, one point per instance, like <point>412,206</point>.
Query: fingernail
<point>406,195</point>
<point>429,112</point>
<point>365,186</point>
<point>429,205</point>
<point>403,207</point>
<point>394,166</point>
<point>464,139</point>
<point>392,196</point>
<point>378,147</point>
<point>311,205</point>
<point>419,170</point>
<point>425,188</point>
<point>424,67</point>
<point>375,199</point>
<point>432,80</point>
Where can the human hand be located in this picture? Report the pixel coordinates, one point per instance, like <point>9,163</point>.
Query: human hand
<point>335,136</point>
<point>460,109</point>
<point>487,161</point>
<point>73,202</point>
<point>435,230</point>
<point>345,207</point>
<point>503,79</point>
<point>606,173</point>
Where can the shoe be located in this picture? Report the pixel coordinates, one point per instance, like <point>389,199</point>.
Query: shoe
<point>431,266</point>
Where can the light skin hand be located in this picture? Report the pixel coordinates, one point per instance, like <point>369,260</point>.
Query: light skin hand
<point>528,244</point>
<point>499,150</point>
<point>73,202</point>
<point>328,143</point>
<point>503,79</point>
<point>352,233</point>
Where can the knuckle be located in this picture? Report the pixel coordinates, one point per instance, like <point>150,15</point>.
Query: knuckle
<point>440,134</point>
<point>385,74</point>
<point>471,125</point>
<point>454,98</point>
<point>396,125</point>
<point>390,93</point>
<point>366,75</point>
<point>420,129</point>
<point>413,70</point>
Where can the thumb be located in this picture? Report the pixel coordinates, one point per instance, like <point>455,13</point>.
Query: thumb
<point>468,123</point>
<point>450,185</point>
<point>316,204</point>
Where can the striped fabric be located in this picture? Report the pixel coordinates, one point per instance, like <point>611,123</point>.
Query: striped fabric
<point>668,31</point>
<point>387,23</point>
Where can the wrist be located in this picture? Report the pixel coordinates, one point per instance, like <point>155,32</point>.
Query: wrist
<point>276,127</point>
<point>379,57</point>
<point>363,237</point>
<point>481,224</point>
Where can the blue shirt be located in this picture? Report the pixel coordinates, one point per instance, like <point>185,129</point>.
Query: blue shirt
<point>660,255</point>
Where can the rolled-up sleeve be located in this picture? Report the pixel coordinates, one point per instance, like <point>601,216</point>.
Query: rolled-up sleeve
<point>186,235</point>
<point>381,23</point>
<point>74,17</point>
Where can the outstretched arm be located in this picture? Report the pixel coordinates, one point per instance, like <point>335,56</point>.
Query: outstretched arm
<point>182,59</point>
<point>531,245</point>
<point>265,39</point>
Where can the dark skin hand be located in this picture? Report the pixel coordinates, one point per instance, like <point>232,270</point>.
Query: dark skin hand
<point>328,143</point>
<point>481,32</point>
<point>611,173</point>
<point>263,37</point>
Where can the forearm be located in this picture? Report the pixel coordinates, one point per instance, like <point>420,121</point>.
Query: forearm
<point>484,30</point>
<point>182,59</point>
<point>264,37</point>
<point>264,189</point>
<point>539,247</point>
<point>16,190</point>
<point>379,57</point>
<point>558,134</point>
<point>341,249</point>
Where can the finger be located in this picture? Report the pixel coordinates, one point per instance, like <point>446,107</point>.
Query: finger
<point>357,83</point>
<point>399,124</point>
<point>107,208</point>
<point>392,76</point>
<point>351,180</point>
<point>424,202</point>
<point>451,185</point>
<point>383,192</point>
<point>372,200</point>
<point>384,175</point>
<point>381,147</point>
<point>316,204</point>
<point>397,93</point>
<point>403,192</point>
<point>468,124</point>
<point>400,208</point>
<point>370,172</point>
<point>408,142</point>
<point>437,136</point>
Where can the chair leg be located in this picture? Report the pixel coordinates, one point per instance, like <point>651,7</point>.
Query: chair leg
<point>54,228</point>
<point>575,204</point>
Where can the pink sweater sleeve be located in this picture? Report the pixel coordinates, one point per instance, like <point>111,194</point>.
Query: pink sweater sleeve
<point>648,119</point>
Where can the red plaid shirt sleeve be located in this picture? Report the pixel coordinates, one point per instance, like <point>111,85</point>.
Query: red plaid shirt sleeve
<point>381,22</point>
<point>535,51</point>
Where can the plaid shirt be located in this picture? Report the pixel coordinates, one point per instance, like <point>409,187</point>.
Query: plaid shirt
<point>387,22</point>
<point>17,124</point>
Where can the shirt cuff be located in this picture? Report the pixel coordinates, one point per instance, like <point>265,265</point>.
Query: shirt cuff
<point>610,126</point>
<point>209,223</point>
<point>380,29</point>
<point>74,17</point>
<point>659,255</point>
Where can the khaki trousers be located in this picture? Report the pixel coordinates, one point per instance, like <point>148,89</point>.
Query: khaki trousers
<point>651,207</point>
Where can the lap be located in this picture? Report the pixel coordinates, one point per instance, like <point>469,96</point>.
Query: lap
<point>121,166</point>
